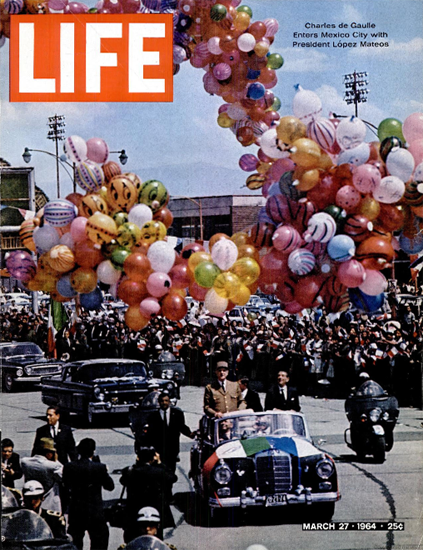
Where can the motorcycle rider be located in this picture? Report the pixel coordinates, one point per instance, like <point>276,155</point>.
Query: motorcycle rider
<point>33,496</point>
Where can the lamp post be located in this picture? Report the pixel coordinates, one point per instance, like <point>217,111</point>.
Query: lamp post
<point>354,89</point>
<point>200,208</point>
<point>123,157</point>
<point>27,158</point>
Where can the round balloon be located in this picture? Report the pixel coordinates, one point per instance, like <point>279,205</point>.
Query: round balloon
<point>60,212</point>
<point>89,175</point>
<point>390,190</point>
<point>341,248</point>
<point>350,133</point>
<point>224,253</point>
<point>162,256</point>
<point>97,150</point>
<point>75,148</point>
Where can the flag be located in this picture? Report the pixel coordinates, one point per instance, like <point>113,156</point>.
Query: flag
<point>392,352</point>
<point>57,319</point>
<point>239,357</point>
<point>26,214</point>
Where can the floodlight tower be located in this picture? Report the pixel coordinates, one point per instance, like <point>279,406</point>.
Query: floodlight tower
<point>355,90</point>
<point>56,132</point>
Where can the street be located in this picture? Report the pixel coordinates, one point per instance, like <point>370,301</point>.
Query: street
<point>392,491</point>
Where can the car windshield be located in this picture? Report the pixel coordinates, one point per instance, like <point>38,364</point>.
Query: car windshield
<point>242,427</point>
<point>20,349</point>
<point>88,373</point>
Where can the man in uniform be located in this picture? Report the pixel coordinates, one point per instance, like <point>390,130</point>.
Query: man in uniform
<point>33,496</point>
<point>222,395</point>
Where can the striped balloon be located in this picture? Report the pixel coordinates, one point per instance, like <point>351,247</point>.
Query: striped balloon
<point>255,181</point>
<point>4,6</point>
<point>25,234</point>
<point>89,175</point>
<point>110,170</point>
<point>261,234</point>
<point>60,212</point>
<point>301,261</point>
<point>15,6</point>
<point>412,194</point>
<point>323,132</point>
<point>75,148</point>
<point>286,239</point>
<point>272,27</point>
<point>321,227</point>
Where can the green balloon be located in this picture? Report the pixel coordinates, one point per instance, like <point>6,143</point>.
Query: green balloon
<point>120,218</point>
<point>218,12</point>
<point>337,213</point>
<point>276,104</point>
<point>119,255</point>
<point>92,10</point>
<point>390,127</point>
<point>274,61</point>
<point>246,9</point>
<point>205,274</point>
<point>109,248</point>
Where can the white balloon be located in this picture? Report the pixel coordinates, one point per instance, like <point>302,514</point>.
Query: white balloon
<point>246,42</point>
<point>400,163</point>
<point>306,105</point>
<point>390,190</point>
<point>75,148</point>
<point>350,133</point>
<point>224,253</point>
<point>357,155</point>
<point>214,303</point>
<point>67,240</point>
<point>45,238</point>
<point>418,173</point>
<point>269,144</point>
<point>162,256</point>
<point>140,214</point>
<point>107,273</point>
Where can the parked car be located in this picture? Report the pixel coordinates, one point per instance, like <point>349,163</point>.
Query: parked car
<point>247,459</point>
<point>167,367</point>
<point>236,314</point>
<point>16,301</point>
<point>24,363</point>
<point>101,386</point>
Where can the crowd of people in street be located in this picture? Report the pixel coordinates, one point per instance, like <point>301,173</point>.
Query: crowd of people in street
<point>323,353</point>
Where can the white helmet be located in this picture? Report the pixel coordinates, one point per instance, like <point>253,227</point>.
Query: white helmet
<point>149,515</point>
<point>32,488</point>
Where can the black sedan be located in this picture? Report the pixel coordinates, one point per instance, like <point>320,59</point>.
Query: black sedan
<point>251,460</point>
<point>24,363</point>
<point>102,386</point>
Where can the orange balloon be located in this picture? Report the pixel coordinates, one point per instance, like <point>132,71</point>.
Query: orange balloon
<point>87,255</point>
<point>137,267</point>
<point>174,306</point>
<point>248,251</point>
<point>134,319</point>
<point>241,238</point>
<point>132,292</point>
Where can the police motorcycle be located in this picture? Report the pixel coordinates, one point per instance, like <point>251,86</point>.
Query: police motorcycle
<point>25,530</point>
<point>372,414</point>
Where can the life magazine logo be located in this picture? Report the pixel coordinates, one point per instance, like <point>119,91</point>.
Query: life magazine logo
<point>90,57</point>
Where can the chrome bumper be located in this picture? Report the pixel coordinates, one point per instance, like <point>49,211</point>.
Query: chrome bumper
<point>245,501</point>
<point>107,407</point>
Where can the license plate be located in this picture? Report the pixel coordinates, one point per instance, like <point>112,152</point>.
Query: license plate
<point>276,500</point>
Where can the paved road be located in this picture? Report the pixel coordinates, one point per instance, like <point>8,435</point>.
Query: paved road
<point>370,492</point>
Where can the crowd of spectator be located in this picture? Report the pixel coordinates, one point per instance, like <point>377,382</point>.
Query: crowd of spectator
<point>323,353</point>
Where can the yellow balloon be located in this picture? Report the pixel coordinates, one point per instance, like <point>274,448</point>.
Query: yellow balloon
<point>197,258</point>
<point>305,153</point>
<point>247,270</point>
<point>61,258</point>
<point>227,285</point>
<point>101,229</point>
<point>325,161</point>
<point>263,167</point>
<point>241,21</point>
<point>225,121</point>
<point>261,48</point>
<point>307,178</point>
<point>290,128</point>
<point>240,238</point>
<point>242,296</point>
<point>370,208</point>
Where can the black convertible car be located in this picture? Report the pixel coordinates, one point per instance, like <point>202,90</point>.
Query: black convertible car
<point>102,386</point>
<point>24,363</point>
<point>247,459</point>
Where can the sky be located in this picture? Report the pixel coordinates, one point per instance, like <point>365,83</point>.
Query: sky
<point>181,144</point>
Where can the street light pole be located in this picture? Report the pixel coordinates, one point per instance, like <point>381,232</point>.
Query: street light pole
<point>56,133</point>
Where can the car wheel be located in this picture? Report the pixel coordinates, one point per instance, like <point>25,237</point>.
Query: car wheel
<point>389,440</point>
<point>380,449</point>
<point>8,382</point>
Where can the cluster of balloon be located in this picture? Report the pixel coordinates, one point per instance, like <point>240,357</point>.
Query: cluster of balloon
<point>333,202</point>
<point>114,234</point>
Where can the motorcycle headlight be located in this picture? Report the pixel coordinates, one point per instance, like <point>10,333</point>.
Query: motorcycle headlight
<point>28,370</point>
<point>374,415</point>
<point>19,372</point>
<point>169,387</point>
<point>222,474</point>
<point>98,393</point>
<point>325,468</point>
<point>385,415</point>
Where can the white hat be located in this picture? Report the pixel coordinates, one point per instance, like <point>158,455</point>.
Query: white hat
<point>32,488</point>
<point>149,515</point>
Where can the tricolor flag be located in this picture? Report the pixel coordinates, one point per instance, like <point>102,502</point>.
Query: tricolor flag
<point>57,319</point>
<point>392,352</point>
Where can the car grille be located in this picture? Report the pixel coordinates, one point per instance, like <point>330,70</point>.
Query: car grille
<point>42,371</point>
<point>273,471</point>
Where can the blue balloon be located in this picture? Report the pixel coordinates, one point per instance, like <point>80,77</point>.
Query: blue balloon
<point>411,246</point>
<point>256,90</point>
<point>92,300</point>
<point>64,287</point>
<point>341,248</point>
<point>364,302</point>
<point>252,74</point>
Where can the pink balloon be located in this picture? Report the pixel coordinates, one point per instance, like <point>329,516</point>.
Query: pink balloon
<point>412,127</point>
<point>150,306</point>
<point>57,4</point>
<point>278,169</point>
<point>77,229</point>
<point>75,7</point>
<point>158,284</point>
<point>97,150</point>
<point>366,178</point>
<point>130,6</point>
<point>348,198</point>
<point>374,284</point>
<point>286,239</point>
<point>351,273</point>
<point>416,149</point>
<point>293,307</point>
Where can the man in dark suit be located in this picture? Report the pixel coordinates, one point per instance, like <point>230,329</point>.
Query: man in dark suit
<point>281,396</point>
<point>84,479</point>
<point>251,397</point>
<point>165,427</point>
<point>10,464</point>
<point>61,434</point>
<point>222,395</point>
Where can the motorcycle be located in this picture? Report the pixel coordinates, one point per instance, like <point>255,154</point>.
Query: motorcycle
<point>146,542</point>
<point>25,530</point>
<point>372,414</point>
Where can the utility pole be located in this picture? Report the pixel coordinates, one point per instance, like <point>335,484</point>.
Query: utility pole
<point>355,91</point>
<point>56,133</point>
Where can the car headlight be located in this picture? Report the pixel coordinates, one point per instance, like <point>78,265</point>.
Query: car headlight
<point>325,468</point>
<point>19,372</point>
<point>98,393</point>
<point>385,415</point>
<point>222,474</point>
<point>169,387</point>
<point>169,374</point>
<point>28,370</point>
<point>374,415</point>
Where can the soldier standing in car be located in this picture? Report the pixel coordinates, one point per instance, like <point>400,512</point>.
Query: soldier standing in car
<point>222,395</point>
